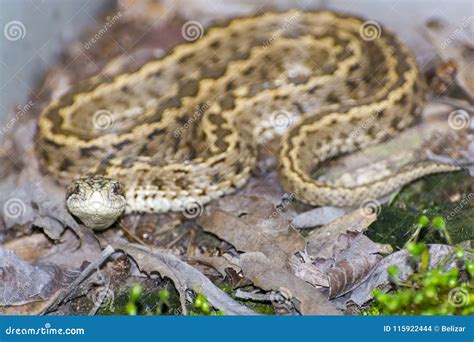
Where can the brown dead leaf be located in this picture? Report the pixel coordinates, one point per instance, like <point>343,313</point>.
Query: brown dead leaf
<point>34,271</point>
<point>219,263</point>
<point>22,282</point>
<point>254,224</point>
<point>263,273</point>
<point>348,274</point>
<point>31,203</point>
<point>37,248</point>
<point>321,240</point>
<point>354,256</point>
<point>305,270</point>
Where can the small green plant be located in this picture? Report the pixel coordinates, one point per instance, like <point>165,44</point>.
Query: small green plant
<point>135,305</point>
<point>133,300</point>
<point>437,223</point>
<point>163,302</point>
<point>428,291</point>
<point>202,307</point>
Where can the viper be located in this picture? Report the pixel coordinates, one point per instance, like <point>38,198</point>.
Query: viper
<point>185,129</point>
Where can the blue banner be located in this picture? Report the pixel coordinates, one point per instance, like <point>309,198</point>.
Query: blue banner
<point>238,329</point>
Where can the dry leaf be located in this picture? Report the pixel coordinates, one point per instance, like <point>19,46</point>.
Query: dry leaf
<point>354,256</point>
<point>264,274</point>
<point>253,224</point>
<point>321,240</point>
<point>31,203</point>
<point>22,282</point>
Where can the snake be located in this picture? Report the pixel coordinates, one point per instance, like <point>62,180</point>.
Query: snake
<point>186,129</point>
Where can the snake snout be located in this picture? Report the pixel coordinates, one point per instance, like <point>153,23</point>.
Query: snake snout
<point>97,201</point>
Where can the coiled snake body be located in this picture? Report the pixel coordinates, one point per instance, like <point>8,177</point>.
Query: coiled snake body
<point>185,129</point>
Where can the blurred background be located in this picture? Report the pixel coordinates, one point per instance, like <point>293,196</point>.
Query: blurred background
<point>35,32</point>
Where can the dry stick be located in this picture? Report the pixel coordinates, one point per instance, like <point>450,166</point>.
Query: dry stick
<point>131,235</point>
<point>68,291</point>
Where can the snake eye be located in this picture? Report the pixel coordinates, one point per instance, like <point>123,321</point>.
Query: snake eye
<point>73,189</point>
<point>117,189</point>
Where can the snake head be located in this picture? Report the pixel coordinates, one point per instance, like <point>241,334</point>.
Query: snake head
<point>97,201</point>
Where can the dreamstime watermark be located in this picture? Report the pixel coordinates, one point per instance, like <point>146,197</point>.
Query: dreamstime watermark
<point>103,119</point>
<point>286,24</point>
<point>14,30</point>
<point>461,27</point>
<point>14,208</point>
<point>192,30</point>
<point>370,30</point>
<point>370,207</point>
<point>198,112</point>
<point>280,120</point>
<point>109,22</point>
<point>21,110</point>
<point>192,209</point>
<point>459,119</point>
<point>458,297</point>
<point>46,330</point>
<point>285,201</point>
<point>368,123</point>
<point>463,203</point>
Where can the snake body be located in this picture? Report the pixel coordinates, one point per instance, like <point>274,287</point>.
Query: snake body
<point>186,128</point>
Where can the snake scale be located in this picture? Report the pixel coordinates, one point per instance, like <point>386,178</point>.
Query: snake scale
<point>185,129</point>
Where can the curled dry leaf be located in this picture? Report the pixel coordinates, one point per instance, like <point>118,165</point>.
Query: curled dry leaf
<point>220,264</point>
<point>22,282</point>
<point>263,273</point>
<point>35,272</point>
<point>254,224</point>
<point>321,241</point>
<point>354,256</point>
<point>305,270</point>
<point>37,248</point>
<point>348,274</point>
<point>31,204</point>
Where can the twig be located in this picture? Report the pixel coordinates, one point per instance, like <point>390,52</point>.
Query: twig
<point>67,293</point>
<point>130,234</point>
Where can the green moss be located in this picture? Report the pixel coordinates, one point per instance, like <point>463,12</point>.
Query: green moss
<point>430,197</point>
